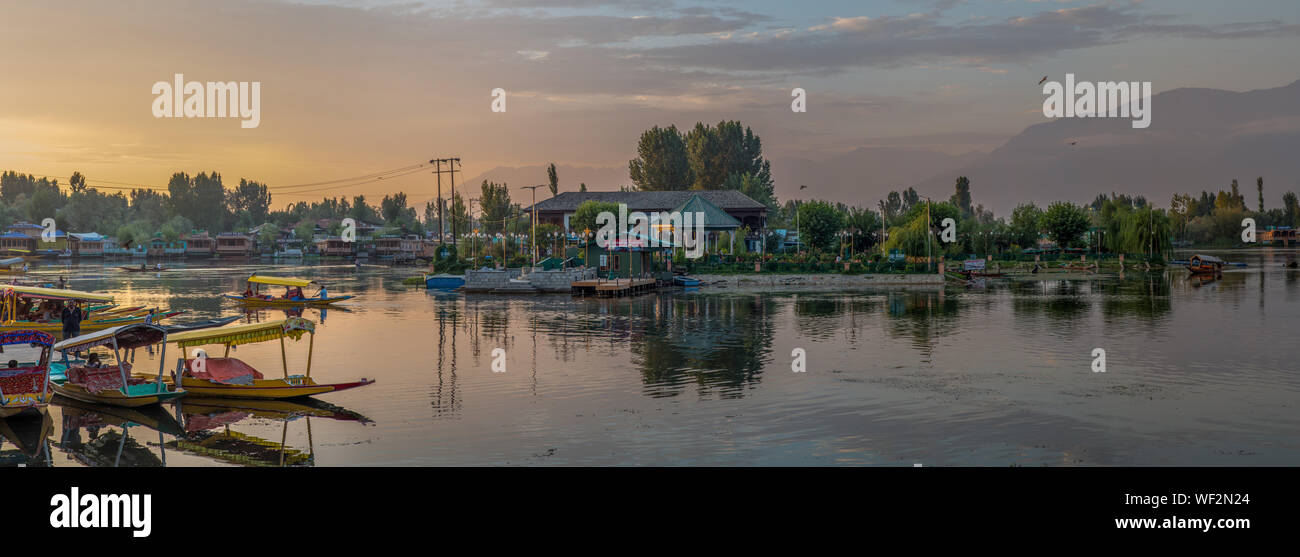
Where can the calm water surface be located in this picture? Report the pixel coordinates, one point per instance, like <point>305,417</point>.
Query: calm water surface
<point>1196,374</point>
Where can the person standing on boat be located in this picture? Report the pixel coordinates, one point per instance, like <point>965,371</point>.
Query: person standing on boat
<point>322,294</point>
<point>71,317</point>
<point>148,319</point>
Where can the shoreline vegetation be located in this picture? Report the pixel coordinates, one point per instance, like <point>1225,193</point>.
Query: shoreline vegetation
<point>811,232</point>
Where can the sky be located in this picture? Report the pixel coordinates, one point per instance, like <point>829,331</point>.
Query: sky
<point>350,88</point>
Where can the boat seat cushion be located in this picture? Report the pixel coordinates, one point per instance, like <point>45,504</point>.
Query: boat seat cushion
<point>227,371</point>
<point>101,379</point>
<point>22,380</point>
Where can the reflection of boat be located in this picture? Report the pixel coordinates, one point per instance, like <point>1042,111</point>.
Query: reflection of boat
<point>152,417</point>
<point>230,377</point>
<point>25,384</point>
<point>252,297</point>
<point>444,281</point>
<point>205,324</point>
<point>208,422</point>
<point>1204,265</point>
<point>15,312</point>
<point>113,384</point>
<point>30,437</point>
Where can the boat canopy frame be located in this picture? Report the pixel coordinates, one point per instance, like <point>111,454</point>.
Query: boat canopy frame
<point>121,337</point>
<point>31,338</point>
<point>292,327</point>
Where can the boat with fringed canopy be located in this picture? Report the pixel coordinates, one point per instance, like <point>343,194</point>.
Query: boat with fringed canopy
<point>92,381</point>
<point>231,378</point>
<point>253,296</point>
<point>35,308</point>
<point>25,382</point>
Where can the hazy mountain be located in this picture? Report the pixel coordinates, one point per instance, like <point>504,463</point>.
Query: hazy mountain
<point>862,176</point>
<point>1199,139</point>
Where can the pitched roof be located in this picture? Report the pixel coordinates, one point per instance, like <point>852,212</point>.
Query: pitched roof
<point>714,217</point>
<point>727,200</point>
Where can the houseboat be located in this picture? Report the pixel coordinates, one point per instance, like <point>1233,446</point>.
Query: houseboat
<point>231,244</point>
<point>200,245</point>
<point>1204,265</point>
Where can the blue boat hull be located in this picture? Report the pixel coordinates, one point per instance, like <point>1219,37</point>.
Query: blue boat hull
<point>443,282</point>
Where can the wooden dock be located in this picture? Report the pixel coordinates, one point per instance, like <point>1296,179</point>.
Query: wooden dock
<point>618,287</point>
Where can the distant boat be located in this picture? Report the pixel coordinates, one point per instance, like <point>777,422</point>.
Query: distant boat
<point>680,280</point>
<point>1205,265</point>
<point>443,281</point>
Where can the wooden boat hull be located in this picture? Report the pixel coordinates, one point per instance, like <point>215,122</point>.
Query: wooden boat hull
<point>146,270</point>
<point>290,303</point>
<point>114,397</point>
<point>270,389</point>
<point>1204,270</point>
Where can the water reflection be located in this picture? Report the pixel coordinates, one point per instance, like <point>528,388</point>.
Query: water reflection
<point>993,373</point>
<point>25,440</point>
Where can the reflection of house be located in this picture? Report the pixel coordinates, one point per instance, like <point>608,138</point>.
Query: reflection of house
<point>89,244</point>
<point>334,247</point>
<point>231,244</point>
<point>200,245</point>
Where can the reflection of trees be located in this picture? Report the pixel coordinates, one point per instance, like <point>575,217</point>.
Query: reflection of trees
<point>922,315</point>
<point>1146,297</point>
<point>711,341</point>
<point>1060,301</point>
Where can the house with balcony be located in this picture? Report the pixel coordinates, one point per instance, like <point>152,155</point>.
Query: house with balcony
<point>234,244</point>
<point>200,244</point>
<point>333,246</point>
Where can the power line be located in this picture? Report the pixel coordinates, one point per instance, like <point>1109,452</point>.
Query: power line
<point>309,187</point>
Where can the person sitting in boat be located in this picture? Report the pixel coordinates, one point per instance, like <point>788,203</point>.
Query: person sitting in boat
<point>297,293</point>
<point>92,361</point>
<point>248,292</point>
<point>148,319</point>
<point>157,266</point>
<point>142,267</point>
<point>13,364</point>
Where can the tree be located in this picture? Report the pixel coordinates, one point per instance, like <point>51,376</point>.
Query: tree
<point>661,163</point>
<point>552,180</point>
<point>754,187</point>
<point>715,153</point>
<point>584,218</point>
<point>863,223</point>
<point>1025,220</point>
<point>819,224</point>
<point>961,198</point>
<point>77,183</point>
<point>1291,208</point>
<point>494,200</point>
<point>1259,186</point>
<point>1064,223</point>
<point>250,198</point>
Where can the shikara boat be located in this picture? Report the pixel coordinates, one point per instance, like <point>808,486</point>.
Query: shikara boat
<point>144,269</point>
<point>1205,265</point>
<point>231,378</point>
<point>253,295</point>
<point>25,382</point>
<point>114,384</point>
<point>15,316</point>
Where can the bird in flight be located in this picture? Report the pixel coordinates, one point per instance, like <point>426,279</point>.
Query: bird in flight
<point>1073,142</point>
<point>1040,82</point>
<point>803,187</point>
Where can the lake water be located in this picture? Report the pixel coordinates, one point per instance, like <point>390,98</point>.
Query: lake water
<point>998,375</point>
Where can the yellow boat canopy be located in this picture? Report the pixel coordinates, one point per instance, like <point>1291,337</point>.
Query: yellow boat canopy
<point>281,281</point>
<point>53,293</point>
<point>292,327</point>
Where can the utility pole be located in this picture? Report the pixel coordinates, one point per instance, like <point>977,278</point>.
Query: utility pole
<point>534,218</point>
<point>452,163</point>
